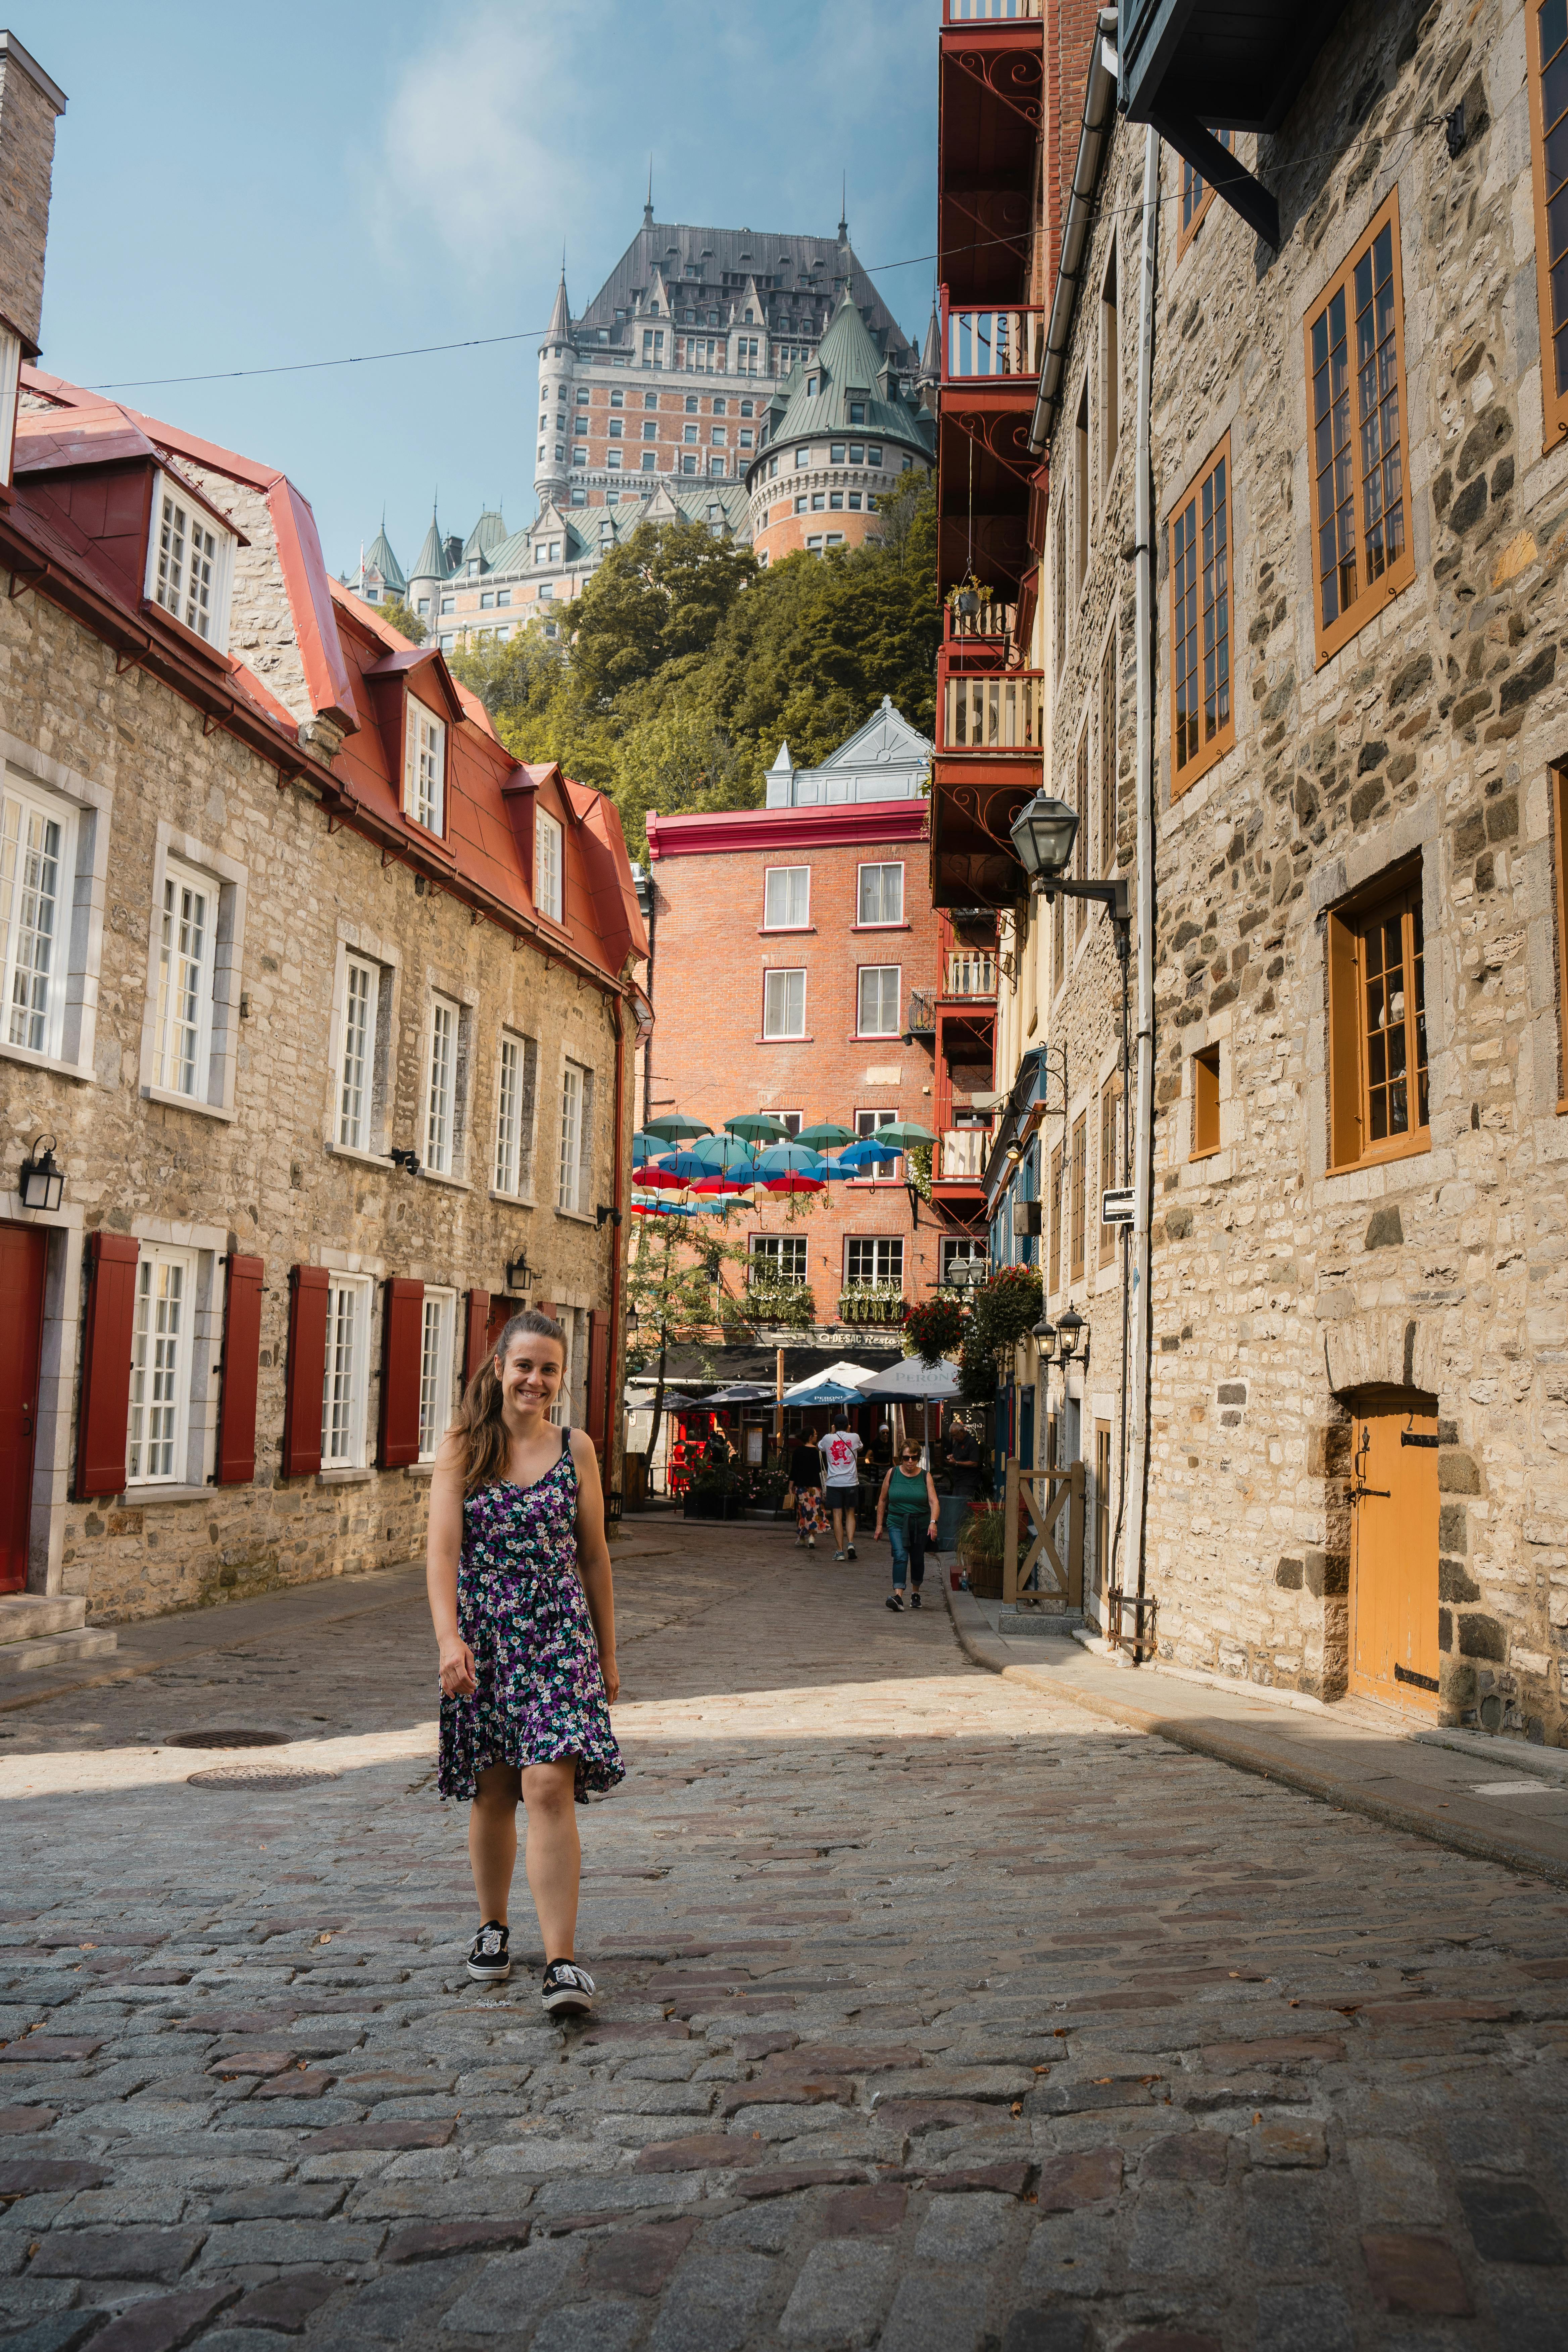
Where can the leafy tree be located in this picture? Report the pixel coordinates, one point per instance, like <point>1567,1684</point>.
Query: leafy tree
<point>656,599</point>
<point>403,619</point>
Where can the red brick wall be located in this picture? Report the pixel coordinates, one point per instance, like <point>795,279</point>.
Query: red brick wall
<point>711,953</point>
<point>1070,26</point>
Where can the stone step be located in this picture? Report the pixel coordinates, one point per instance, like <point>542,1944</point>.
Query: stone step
<point>18,1659</point>
<point>27,1616</point>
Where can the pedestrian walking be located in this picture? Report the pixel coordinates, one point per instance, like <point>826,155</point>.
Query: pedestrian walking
<point>518,1572</point>
<point>963,1456</point>
<point>805,1486</point>
<point>909,1509</point>
<point>840,1451</point>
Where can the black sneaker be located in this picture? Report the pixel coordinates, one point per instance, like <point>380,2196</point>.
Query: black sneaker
<point>895,1600</point>
<point>849,1551</point>
<point>567,1989</point>
<point>490,1962</point>
<point>915,1601</point>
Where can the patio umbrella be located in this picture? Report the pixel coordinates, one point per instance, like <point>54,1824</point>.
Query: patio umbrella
<point>912,1379</point>
<point>725,1155</point>
<point>824,1137</point>
<point>676,1128</point>
<point>788,1160</point>
<point>789,1181</point>
<point>904,1134</point>
<point>742,1392</point>
<point>758,1126</point>
<point>823,1392</point>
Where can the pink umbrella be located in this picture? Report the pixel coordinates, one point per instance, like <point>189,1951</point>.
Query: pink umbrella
<point>792,1183</point>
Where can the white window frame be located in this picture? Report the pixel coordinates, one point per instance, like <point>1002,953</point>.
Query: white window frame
<point>867,1123</point>
<point>356,1059</point>
<point>517,1113</point>
<point>549,864</point>
<point>36,958</point>
<point>574,1142</point>
<point>960,1249</point>
<point>878,1243</point>
<point>437,1343</point>
<point>185,947</point>
<point>767,1252</point>
<point>780,881</point>
<point>881,867</point>
<point>425,766</point>
<point>191,583</point>
<point>771,1028</point>
<point>36,781</point>
<point>438,1122</point>
<point>349,1298</point>
<point>10,384</point>
<point>863,972</point>
<point>161,1388</point>
<point>784,1117</point>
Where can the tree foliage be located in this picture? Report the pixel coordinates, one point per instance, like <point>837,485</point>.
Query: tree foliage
<point>403,619</point>
<point>686,664</point>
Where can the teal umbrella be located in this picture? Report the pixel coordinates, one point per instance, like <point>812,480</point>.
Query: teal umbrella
<point>904,1134</point>
<point>724,1155</point>
<point>759,1127</point>
<point>788,1160</point>
<point>824,1137</point>
<point>676,1128</point>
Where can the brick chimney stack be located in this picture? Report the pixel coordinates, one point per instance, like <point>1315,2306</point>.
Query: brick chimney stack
<point>29,102</point>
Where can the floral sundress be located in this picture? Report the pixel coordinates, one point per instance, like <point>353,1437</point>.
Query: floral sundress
<point>538,1696</point>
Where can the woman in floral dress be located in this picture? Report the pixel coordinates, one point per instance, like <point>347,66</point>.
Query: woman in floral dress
<point>518,1578</point>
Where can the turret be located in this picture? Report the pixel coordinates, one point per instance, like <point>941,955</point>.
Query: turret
<point>553,446</point>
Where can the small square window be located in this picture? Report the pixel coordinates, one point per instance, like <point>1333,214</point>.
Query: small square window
<point>857,453</point>
<point>838,458</point>
<point>853,501</point>
<point>718,436</point>
<point>613,459</point>
<point>880,895</point>
<point>745,437</point>
<point>802,456</point>
<point>874,454</point>
<point>487,600</point>
<point>800,506</point>
<point>649,461</point>
<point>503,596</point>
<point>877,999</point>
<point>579,457</point>
<point>650,429</point>
<point>688,433</point>
<point>857,412</point>
<point>424,608</point>
<point>786,898</point>
<point>813,546</point>
<point>835,499</point>
<point>784,1004</point>
<point>819,501</point>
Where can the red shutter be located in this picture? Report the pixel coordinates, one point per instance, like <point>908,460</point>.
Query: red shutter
<point>598,1377</point>
<point>402,1355</point>
<point>241,1356</point>
<point>307,1371</point>
<point>106,1364</point>
<point>477,1339</point>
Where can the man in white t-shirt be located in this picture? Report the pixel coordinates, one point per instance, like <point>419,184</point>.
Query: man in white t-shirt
<point>840,1452</point>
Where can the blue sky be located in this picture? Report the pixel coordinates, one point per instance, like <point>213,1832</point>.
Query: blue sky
<point>240,187</point>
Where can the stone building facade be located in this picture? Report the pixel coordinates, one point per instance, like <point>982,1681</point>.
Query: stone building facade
<point>325,1004</point>
<point>1356,1476</point>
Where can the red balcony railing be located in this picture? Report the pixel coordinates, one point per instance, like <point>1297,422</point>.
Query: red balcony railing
<point>993,345</point>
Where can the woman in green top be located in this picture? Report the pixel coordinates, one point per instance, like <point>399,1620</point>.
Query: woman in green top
<point>908,1507</point>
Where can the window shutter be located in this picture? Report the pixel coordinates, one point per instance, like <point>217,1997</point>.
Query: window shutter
<point>106,1364</point>
<point>307,1371</point>
<point>241,1359</point>
<point>1345,1045</point>
<point>402,1352</point>
<point>598,1400</point>
<point>477,1341</point>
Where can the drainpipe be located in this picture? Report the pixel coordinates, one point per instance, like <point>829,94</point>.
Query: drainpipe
<point>1136,1485</point>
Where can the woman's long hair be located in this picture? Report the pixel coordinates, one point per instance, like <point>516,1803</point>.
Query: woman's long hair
<point>478,1421</point>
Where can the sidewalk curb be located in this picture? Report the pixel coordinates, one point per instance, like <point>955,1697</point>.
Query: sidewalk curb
<point>976,1639</point>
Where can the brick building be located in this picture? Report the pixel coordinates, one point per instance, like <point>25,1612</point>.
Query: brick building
<point>1297,637</point>
<point>798,967</point>
<point>317,1032</point>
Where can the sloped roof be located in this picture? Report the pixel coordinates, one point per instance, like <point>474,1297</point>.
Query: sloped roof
<point>488,532</point>
<point>431,562</point>
<point>886,740</point>
<point>849,363</point>
<point>379,557</point>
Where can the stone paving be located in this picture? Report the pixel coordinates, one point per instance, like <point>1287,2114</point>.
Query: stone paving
<point>938,2015</point>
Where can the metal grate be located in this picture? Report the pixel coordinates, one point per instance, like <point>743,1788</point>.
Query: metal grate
<point>227,1739</point>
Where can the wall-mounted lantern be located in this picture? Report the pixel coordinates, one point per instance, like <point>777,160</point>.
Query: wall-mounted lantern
<point>41,1182</point>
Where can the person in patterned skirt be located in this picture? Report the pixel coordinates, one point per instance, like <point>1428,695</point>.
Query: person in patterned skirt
<point>518,1572</point>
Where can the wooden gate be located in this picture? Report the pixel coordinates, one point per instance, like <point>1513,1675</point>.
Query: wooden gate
<point>1042,1553</point>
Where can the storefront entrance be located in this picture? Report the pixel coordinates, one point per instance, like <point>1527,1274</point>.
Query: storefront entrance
<point>23,1252</point>
<point>1393,1557</point>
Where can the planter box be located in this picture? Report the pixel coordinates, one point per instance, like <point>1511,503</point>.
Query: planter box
<point>715,1506</point>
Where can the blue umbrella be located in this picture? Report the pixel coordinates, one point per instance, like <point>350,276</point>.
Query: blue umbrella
<point>826,1393</point>
<point>723,1155</point>
<point>868,1153</point>
<point>687,1166</point>
<point>789,1160</point>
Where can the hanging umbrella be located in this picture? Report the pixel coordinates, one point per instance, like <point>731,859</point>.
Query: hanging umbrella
<point>790,1182</point>
<point>824,1137</point>
<point>724,1155</point>
<point>660,1179</point>
<point>835,1171</point>
<point>676,1128</point>
<point>789,1160</point>
<point>759,1127</point>
<point>728,1185</point>
<point>862,1155</point>
<point>647,1147</point>
<point>685,1167</point>
<point>904,1134</point>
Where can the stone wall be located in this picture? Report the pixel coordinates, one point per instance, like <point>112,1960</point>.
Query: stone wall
<point>28,112</point>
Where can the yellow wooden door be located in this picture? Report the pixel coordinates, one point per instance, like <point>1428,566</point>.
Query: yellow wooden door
<point>1394,1558</point>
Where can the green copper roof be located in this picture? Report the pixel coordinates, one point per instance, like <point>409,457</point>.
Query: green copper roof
<point>488,532</point>
<point>431,562</point>
<point>379,557</point>
<point>845,368</point>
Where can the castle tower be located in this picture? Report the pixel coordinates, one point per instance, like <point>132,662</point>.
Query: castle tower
<point>555,393</point>
<point>431,567</point>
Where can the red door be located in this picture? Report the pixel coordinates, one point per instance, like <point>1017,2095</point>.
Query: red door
<point>23,1251</point>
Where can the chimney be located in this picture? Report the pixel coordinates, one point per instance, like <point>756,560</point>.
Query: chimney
<point>29,101</point>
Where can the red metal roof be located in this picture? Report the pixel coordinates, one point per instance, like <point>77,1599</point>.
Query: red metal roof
<point>727,830</point>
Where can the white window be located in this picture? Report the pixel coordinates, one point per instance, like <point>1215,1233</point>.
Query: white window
<point>182,1043</point>
<point>425,766</point>
<point>189,563</point>
<point>575,1174</point>
<point>792,1121</point>
<point>448,604</point>
<point>784,1004</point>
<point>440,1085</point>
<point>347,1381</point>
<point>778,1257</point>
<point>37,857</point>
<point>868,1260</point>
<point>10,374</point>
<point>514,1114</point>
<point>961,1250</point>
<point>877,999</point>
<point>867,1122</point>
<point>613,459</point>
<point>786,898</point>
<point>161,1333</point>
<point>436,1349</point>
<point>547,863</point>
<point>881,894</point>
<point>356,1075</point>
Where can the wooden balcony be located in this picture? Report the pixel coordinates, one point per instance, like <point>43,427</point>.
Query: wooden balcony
<point>964,1152</point>
<point>993,345</point>
<point>989,12</point>
<point>994,712</point>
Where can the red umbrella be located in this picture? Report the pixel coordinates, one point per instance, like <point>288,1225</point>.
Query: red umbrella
<point>658,1180</point>
<point>714,1185</point>
<point>792,1183</point>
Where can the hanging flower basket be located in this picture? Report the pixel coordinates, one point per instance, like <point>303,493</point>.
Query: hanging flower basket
<point>934,1329</point>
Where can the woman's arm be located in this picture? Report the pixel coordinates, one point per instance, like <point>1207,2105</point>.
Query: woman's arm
<point>593,1559</point>
<point>882,1506</point>
<point>935,1505</point>
<point>443,1546</point>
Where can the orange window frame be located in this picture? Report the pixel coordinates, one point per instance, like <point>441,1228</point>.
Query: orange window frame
<point>1203,695</point>
<point>1548,79</point>
<point>1109,1096</point>
<point>1196,196</point>
<point>1354,340</point>
<point>1080,1186</point>
<point>1377,1027</point>
<point>1205,1103</point>
<point>1053,1272</point>
<point>1110,797</point>
<point>1560,879</point>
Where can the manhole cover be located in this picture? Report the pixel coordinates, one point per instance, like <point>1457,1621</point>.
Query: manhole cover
<point>227,1739</point>
<point>258,1776</point>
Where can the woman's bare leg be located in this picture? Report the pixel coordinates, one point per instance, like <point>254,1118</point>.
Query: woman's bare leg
<point>554,1856</point>
<point>493,1838</point>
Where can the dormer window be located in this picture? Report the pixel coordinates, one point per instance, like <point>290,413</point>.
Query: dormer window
<point>547,863</point>
<point>857,412</point>
<point>811,384</point>
<point>474,561</point>
<point>425,766</point>
<point>190,564</point>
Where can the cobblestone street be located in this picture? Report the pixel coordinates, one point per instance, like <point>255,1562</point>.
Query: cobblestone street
<point>936,2013</point>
